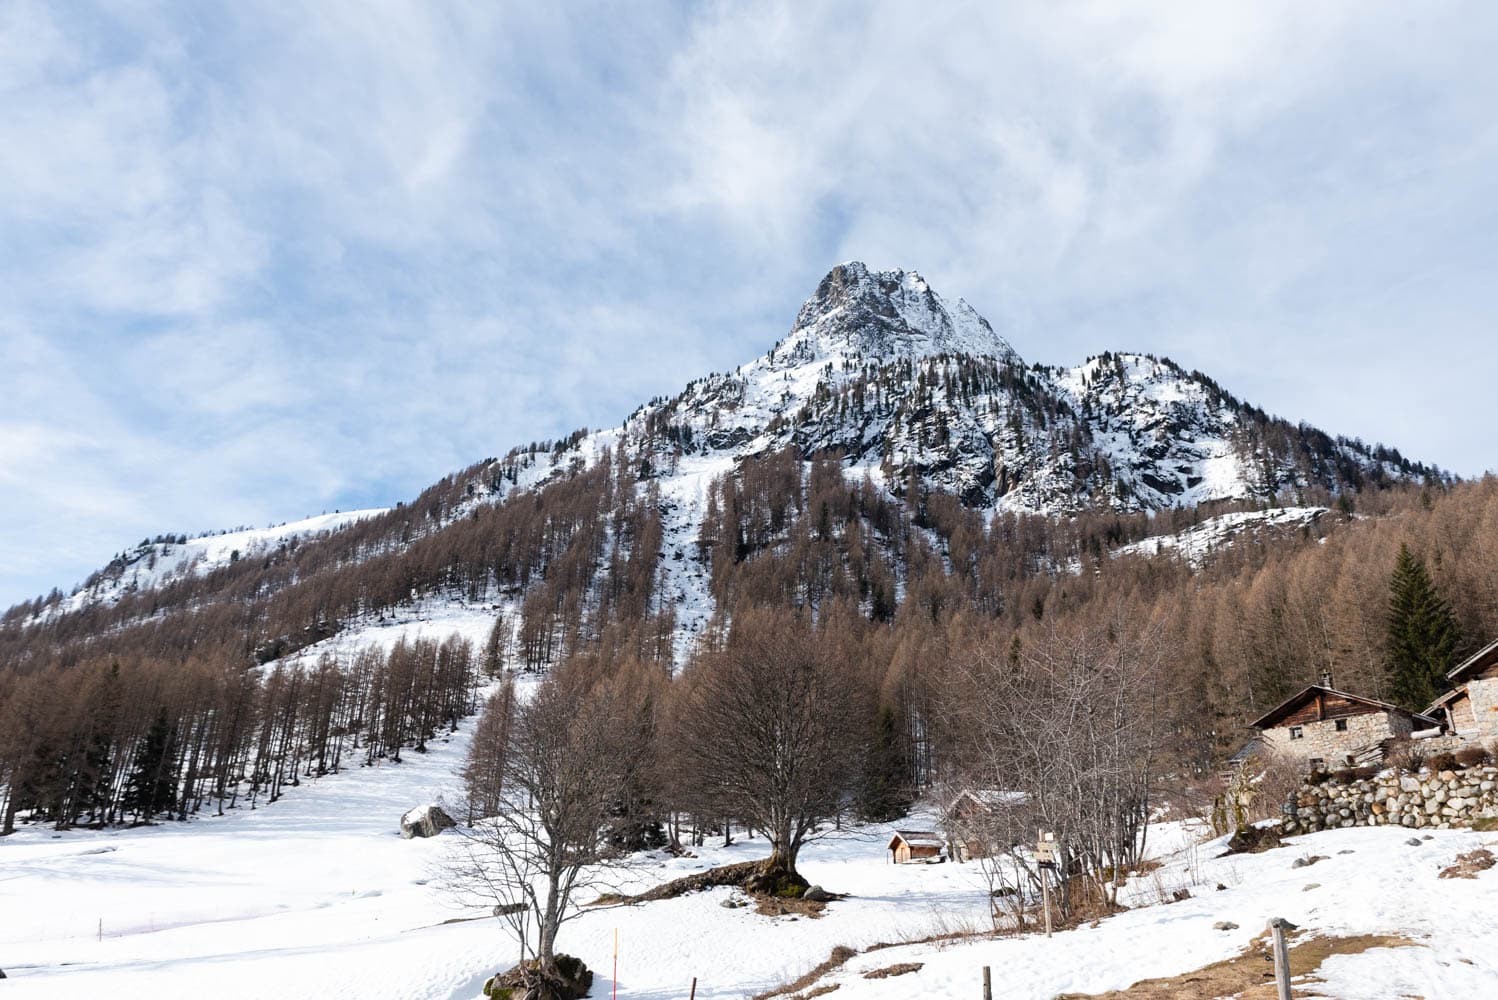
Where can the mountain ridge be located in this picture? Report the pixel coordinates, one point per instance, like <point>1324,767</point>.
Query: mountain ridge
<point>918,393</point>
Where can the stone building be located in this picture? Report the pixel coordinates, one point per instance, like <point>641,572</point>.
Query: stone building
<point>1331,728</point>
<point>1470,709</point>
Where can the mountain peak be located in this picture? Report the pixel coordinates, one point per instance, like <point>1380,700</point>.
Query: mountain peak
<point>885,315</point>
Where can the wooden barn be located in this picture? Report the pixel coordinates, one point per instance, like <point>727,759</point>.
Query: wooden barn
<point>1332,728</point>
<point>908,846</point>
<point>972,820</point>
<point>1470,709</point>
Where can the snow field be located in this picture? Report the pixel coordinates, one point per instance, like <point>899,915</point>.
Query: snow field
<point>317,895</point>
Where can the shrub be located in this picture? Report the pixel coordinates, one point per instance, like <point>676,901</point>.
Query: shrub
<point>1473,756</point>
<point>1253,839</point>
<point>1443,761</point>
<point>1407,756</point>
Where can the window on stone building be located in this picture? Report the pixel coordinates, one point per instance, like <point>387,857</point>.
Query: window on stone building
<point>1341,725</point>
<point>1296,732</point>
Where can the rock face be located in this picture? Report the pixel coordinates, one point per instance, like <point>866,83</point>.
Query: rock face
<point>1439,800</point>
<point>425,821</point>
<point>899,379</point>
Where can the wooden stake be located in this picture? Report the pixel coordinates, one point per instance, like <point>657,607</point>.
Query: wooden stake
<point>694,989</point>
<point>1277,928</point>
<point>1045,896</point>
<point>987,984</point>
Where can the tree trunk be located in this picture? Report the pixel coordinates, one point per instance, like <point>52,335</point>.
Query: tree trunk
<point>8,824</point>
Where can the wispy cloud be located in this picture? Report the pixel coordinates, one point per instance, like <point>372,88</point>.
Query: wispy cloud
<point>258,261</point>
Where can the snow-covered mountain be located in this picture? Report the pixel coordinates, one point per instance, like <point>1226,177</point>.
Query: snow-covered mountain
<point>914,391</point>
<point>906,384</point>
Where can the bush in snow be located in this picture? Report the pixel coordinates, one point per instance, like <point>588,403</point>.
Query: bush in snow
<point>1473,756</point>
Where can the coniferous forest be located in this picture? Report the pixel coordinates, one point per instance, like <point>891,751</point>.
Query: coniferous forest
<point>196,696</point>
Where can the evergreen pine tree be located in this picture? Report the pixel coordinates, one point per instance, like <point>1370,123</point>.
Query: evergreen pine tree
<point>885,791</point>
<point>153,781</point>
<point>1423,635</point>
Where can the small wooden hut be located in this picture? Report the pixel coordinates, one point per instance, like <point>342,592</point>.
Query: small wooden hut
<point>908,846</point>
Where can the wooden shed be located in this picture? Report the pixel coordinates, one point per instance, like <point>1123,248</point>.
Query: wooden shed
<point>907,846</point>
<point>972,820</point>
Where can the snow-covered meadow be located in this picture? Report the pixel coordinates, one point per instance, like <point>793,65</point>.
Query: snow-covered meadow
<point>317,895</point>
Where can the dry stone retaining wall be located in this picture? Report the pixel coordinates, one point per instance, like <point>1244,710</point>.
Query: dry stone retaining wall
<point>1393,798</point>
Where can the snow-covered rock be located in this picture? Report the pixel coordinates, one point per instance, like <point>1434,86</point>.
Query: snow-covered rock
<point>425,821</point>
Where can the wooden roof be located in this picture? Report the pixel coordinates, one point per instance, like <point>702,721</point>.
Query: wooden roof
<point>1485,657</point>
<point>987,798</point>
<point>917,838</point>
<point>1290,704</point>
<point>1451,695</point>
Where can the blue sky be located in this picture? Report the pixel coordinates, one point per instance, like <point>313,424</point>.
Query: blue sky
<point>259,262</point>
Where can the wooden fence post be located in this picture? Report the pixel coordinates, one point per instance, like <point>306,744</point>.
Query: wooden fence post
<point>1277,928</point>
<point>987,984</point>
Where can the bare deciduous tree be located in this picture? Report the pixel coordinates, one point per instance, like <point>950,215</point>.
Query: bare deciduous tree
<point>1072,725</point>
<point>772,735</point>
<point>558,773</point>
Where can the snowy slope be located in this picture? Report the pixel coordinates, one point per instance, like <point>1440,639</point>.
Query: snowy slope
<point>153,564</point>
<point>318,896</point>
<point>1198,542</point>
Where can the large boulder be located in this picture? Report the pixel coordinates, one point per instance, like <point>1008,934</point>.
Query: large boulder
<point>425,821</point>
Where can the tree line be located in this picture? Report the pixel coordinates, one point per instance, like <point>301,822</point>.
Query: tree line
<point>134,741</point>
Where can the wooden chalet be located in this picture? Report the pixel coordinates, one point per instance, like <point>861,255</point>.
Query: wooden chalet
<point>908,846</point>
<point>1327,727</point>
<point>970,821</point>
<point>1470,708</point>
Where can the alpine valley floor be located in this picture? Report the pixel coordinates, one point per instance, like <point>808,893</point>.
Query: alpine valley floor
<point>317,896</point>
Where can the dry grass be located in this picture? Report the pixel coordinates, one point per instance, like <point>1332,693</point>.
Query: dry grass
<point>839,955</point>
<point>1249,976</point>
<point>780,906</point>
<point>820,991</point>
<point>894,970</point>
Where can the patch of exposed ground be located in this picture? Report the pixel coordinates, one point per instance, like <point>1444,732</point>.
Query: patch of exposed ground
<point>895,970</point>
<point>746,875</point>
<point>734,875</point>
<point>839,955</point>
<point>1249,976</point>
<point>1469,864</point>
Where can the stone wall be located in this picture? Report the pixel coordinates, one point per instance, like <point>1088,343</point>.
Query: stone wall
<point>1393,798</point>
<point>1484,695</point>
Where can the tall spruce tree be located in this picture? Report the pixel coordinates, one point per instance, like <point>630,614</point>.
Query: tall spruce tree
<point>1423,635</point>
<point>884,794</point>
<point>152,786</point>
